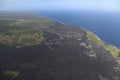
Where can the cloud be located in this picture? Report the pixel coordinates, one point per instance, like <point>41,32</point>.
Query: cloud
<point>3,3</point>
<point>6,4</point>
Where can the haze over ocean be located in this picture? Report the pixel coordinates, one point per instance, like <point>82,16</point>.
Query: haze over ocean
<point>105,25</point>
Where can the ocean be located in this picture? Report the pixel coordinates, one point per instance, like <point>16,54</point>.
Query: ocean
<point>106,25</point>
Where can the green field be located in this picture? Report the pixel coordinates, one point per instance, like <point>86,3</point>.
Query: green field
<point>20,32</point>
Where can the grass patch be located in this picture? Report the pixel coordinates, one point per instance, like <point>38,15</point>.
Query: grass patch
<point>12,74</point>
<point>21,37</point>
<point>112,49</point>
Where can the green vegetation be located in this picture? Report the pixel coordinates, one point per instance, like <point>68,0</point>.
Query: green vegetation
<point>112,49</point>
<point>12,74</point>
<point>20,32</point>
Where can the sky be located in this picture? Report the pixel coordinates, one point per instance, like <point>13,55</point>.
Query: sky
<point>93,5</point>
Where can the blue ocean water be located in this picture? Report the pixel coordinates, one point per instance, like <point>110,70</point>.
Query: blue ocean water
<point>105,25</point>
